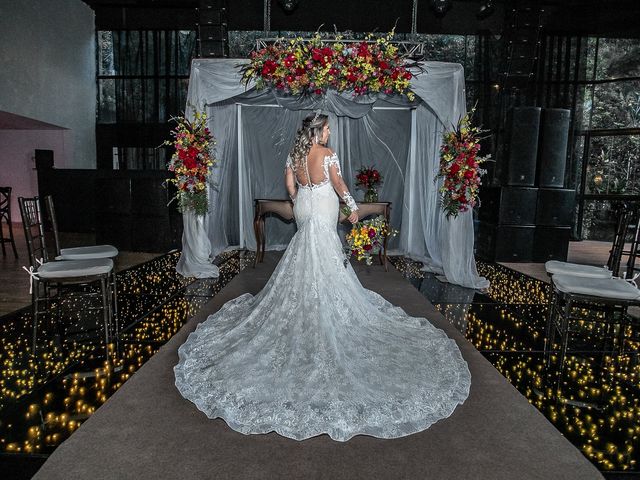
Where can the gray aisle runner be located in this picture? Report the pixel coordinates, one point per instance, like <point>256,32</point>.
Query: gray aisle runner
<point>148,431</point>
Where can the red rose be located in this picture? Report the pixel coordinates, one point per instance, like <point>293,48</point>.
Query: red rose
<point>383,65</point>
<point>455,168</point>
<point>190,163</point>
<point>269,67</point>
<point>367,247</point>
<point>372,233</point>
<point>468,174</point>
<point>317,55</point>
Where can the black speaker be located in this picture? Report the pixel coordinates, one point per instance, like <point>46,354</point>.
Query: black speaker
<point>551,243</point>
<point>505,243</point>
<point>213,33</point>
<point>555,207</point>
<point>508,205</point>
<point>523,146</point>
<point>211,16</point>
<point>553,147</point>
<point>214,48</point>
<point>44,159</point>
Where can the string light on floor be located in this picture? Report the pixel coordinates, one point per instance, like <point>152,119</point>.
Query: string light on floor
<point>49,396</point>
<point>594,401</point>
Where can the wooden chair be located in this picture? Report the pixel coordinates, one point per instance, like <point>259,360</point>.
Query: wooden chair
<point>5,215</point>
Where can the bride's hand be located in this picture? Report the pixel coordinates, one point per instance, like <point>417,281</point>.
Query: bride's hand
<point>353,218</point>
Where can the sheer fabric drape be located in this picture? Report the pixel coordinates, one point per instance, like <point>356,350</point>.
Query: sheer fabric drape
<point>255,130</point>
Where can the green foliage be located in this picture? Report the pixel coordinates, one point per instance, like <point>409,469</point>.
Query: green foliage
<point>193,201</point>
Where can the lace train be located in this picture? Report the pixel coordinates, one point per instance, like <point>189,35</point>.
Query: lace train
<point>314,352</point>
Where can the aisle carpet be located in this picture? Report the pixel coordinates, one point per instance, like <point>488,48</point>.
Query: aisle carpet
<point>148,431</point>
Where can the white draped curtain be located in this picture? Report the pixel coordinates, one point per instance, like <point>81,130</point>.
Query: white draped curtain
<point>255,131</point>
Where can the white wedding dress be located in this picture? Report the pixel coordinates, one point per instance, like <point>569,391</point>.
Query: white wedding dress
<point>314,352</point>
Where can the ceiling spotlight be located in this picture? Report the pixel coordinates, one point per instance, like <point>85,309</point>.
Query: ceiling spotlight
<point>440,7</point>
<point>288,5</point>
<point>486,9</point>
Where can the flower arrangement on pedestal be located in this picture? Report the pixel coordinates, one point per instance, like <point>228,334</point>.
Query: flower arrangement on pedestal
<point>368,179</point>
<point>460,167</point>
<point>312,66</point>
<point>366,239</point>
<point>191,162</point>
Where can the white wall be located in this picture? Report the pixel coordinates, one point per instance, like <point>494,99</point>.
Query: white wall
<point>18,165</point>
<point>48,73</point>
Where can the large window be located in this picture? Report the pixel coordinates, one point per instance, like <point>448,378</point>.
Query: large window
<point>609,144</point>
<point>142,82</point>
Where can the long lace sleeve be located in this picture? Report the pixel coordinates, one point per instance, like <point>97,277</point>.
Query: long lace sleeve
<point>289,180</point>
<point>332,170</point>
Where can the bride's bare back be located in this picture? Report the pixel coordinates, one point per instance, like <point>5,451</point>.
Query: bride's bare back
<point>315,167</point>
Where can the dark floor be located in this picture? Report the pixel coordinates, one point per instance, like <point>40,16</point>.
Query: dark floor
<point>43,402</point>
<point>147,430</point>
<point>594,401</point>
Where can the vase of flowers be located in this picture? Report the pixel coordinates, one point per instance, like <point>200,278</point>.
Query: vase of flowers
<point>371,195</point>
<point>191,162</point>
<point>460,167</point>
<point>368,179</point>
<point>366,239</point>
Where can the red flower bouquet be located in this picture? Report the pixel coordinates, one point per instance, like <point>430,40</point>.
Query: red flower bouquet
<point>368,178</point>
<point>312,66</point>
<point>191,162</point>
<point>459,167</point>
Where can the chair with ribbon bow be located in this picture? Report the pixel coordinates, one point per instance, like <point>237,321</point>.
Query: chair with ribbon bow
<point>51,280</point>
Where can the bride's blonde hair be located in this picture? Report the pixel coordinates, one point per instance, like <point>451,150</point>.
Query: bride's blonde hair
<point>306,136</point>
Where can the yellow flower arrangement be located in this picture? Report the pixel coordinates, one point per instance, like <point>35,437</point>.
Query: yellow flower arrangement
<point>366,239</point>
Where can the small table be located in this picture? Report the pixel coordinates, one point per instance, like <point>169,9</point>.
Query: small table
<point>284,210</point>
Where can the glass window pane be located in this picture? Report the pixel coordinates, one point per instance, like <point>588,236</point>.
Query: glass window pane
<point>599,220</point>
<point>186,48</point>
<point>614,165</point>
<point>106,101</point>
<point>618,58</point>
<point>469,57</point>
<point>617,105</point>
<point>445,48</point>
<point>241,43</point>
<point>105,53</point>
<point>152,99</point>
<point>591,57</point>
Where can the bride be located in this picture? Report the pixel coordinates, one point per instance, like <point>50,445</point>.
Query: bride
<point>314,352</point>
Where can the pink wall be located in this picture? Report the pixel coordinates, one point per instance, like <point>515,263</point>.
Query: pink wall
<point>17,163</point>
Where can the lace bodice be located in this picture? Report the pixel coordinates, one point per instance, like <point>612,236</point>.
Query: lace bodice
<point>328,162</point>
